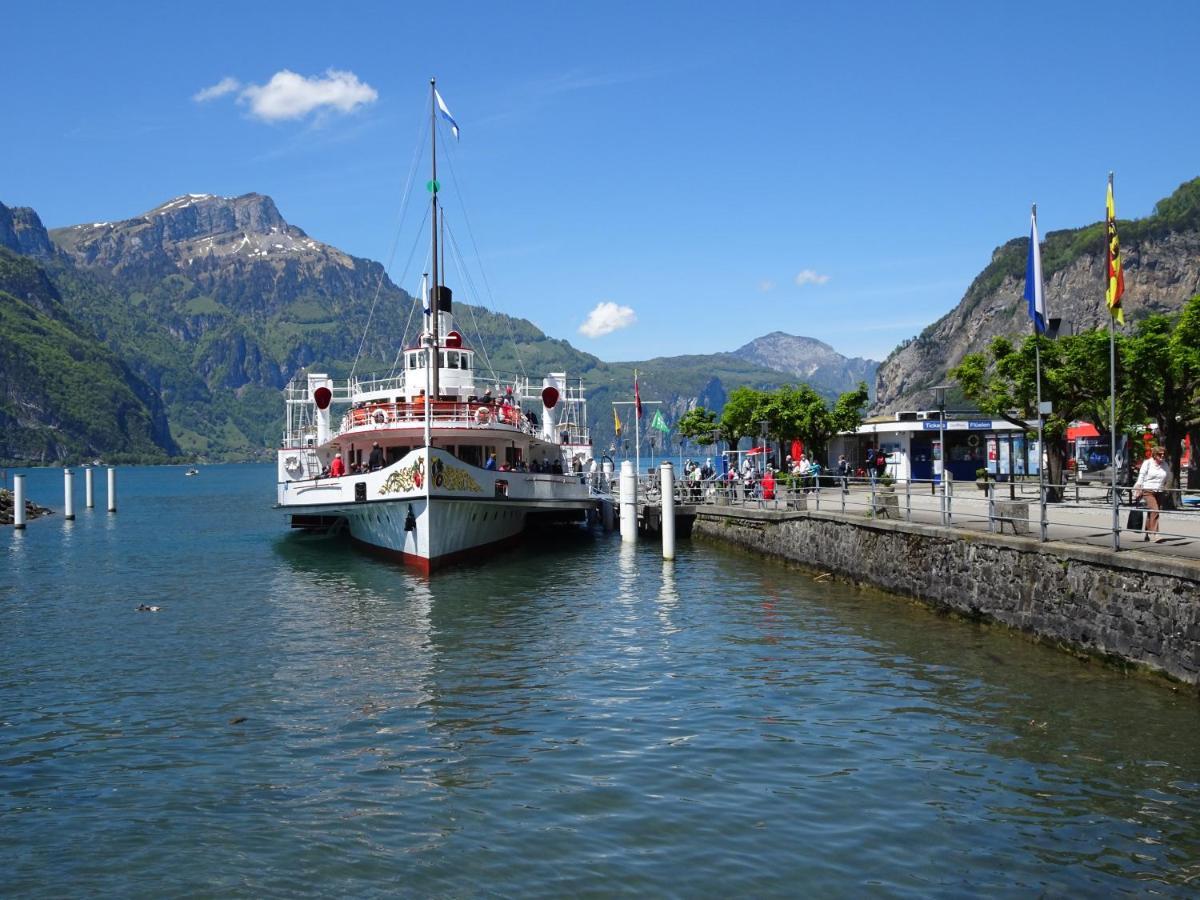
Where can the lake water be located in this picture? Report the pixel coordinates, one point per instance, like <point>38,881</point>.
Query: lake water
<point>300,719</point>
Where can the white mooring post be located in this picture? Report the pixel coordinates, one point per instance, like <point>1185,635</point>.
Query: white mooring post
<point>89,496</point>
<point>628,502</point>
<point>112,490</point>
<point>18,501</point>
<point>68,495</point>
<point>667,483</point>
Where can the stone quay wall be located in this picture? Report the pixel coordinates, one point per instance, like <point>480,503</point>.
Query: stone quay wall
<point>1129,607</point>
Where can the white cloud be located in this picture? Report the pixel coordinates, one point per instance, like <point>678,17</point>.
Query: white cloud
<point>225,86</point>
<point>606,318</point>
<point>291,96</point>
<point>766,285</point>
<point>809,276</point>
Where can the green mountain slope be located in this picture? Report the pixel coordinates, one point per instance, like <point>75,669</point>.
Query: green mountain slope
<point>64,396</point>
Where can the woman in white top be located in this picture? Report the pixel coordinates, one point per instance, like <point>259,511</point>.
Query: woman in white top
<point>1152,481</point>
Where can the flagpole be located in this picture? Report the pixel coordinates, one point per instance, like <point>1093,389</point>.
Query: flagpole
<point>1112,386</point>
<point>1037,355</point>
<point>637,443</point>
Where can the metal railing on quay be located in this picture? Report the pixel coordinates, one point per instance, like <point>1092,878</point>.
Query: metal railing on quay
<point>983,506</point>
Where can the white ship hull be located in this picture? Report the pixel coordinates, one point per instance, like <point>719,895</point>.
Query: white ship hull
<point>431,523</point>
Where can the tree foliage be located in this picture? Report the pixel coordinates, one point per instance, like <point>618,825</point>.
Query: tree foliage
<point>793,411</point>
<point>1162,376</point>
<point>698,424</point>
<point>1158,380</point>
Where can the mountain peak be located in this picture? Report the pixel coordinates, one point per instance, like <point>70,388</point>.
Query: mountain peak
<point>195,230</point>
<point>809,360</point>
<point>192,216</point>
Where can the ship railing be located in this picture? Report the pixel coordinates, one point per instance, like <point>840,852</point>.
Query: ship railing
<point>442,413</point>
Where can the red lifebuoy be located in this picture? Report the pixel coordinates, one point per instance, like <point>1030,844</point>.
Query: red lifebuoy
<point>483,415</point>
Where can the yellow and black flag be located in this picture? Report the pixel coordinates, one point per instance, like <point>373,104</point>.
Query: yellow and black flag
<point>1116,277</point>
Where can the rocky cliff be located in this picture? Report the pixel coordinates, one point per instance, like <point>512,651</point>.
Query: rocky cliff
<point>21,231</point>
<point>1162,270</point>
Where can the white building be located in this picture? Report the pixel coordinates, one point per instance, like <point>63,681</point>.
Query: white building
<point>911,440</point>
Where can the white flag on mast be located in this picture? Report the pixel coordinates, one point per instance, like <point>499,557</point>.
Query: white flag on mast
<point>446,113</point>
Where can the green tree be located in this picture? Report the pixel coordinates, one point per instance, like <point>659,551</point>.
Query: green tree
<point>744,409</point>
<point>798,411</point>
<point>699,425</point>
<point>1162,384</point>
<point>1003,383</point>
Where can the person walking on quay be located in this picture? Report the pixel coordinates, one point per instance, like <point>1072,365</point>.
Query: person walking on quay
<point>1152,482</point>
<point>881,463</point>
<point>843,470</point>
<point>869,462</point>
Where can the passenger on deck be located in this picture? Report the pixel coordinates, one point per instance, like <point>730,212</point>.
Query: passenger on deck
<point>337,468</point>
<point>490,465</point>
<point>375,461</point>
<point>557,468</point>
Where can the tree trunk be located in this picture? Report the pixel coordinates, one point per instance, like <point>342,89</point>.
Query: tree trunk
<point>1056,455</point>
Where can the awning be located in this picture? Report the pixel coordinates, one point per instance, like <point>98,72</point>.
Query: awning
<point>1081,430</point>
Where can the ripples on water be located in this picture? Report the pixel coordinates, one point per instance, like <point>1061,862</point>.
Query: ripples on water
<point>302,719</point>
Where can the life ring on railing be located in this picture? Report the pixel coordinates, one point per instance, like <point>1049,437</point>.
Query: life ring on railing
<point>292,464</point>
<point>483,415</point>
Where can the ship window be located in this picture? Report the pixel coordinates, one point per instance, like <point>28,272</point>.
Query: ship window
<point>466,360</point>
<point>452,359</point>
<point>442,360</point>
<point>412,360</point>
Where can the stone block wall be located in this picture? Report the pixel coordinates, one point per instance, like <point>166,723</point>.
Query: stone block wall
<point>1136,607</point>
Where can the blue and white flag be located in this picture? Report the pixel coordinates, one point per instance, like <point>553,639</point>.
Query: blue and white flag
<point>1033,281</point>
<point>446,113</point>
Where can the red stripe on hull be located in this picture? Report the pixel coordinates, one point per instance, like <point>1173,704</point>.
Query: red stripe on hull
<point>423,566</point>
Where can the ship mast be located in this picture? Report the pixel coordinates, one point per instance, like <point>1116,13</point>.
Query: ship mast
<point>436,293</point>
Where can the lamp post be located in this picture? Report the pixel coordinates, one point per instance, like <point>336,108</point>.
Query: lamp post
<point>764,424</point>
<point>939,397</point>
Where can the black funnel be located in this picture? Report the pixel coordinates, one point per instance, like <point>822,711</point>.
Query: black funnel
<point>443,297</point>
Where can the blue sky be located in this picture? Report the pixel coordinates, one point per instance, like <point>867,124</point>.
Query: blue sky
<point>720,170</point>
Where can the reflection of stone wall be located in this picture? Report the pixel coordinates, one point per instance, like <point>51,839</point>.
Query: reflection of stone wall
<point>1129,606</point>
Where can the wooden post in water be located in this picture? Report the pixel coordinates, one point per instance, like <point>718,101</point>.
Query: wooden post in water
<point>667,482</point>
<point>112,489</point>
<point>18,501</point>
<point>89,496</point>
<point>68,495</point>
<point>628,502</point>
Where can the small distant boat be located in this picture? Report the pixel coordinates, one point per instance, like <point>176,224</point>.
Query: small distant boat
<point>192,471</point>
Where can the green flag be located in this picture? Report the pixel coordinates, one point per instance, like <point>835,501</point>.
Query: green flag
<point>659,422</point>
